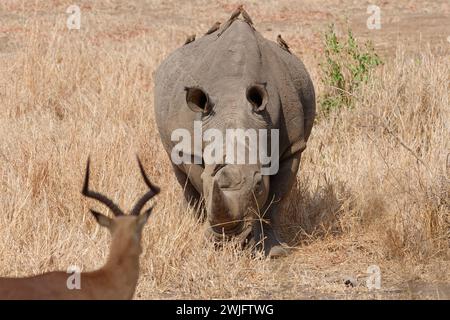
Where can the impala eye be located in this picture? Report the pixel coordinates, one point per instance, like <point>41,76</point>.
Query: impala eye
<point>197,100</point>
<point>257,96</point>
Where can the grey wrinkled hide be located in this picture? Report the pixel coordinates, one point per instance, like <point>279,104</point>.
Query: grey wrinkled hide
<point>224,67</point>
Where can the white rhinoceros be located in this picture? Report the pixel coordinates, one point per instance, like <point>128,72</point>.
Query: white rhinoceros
<point>234,78</point>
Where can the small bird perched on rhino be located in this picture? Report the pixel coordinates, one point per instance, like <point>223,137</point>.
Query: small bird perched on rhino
<point>189,39</point>
<point>214,28</point>
<point>236,13</point>
<point>246,17</point>
<point>283,44</point>
<point>238,81</point>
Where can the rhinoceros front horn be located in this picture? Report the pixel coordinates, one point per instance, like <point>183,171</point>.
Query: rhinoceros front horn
<point>218,213</point>
<point>223,215</point>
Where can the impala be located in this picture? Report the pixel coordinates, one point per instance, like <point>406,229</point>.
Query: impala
<point>117,279</point>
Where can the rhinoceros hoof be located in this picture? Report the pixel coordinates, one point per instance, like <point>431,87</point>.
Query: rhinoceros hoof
<point>278,251</point>
<point>266,240</point>
<point>270,247</point>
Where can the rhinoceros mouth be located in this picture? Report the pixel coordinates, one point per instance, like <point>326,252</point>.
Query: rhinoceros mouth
<point>222,229</point>
<point>240,231</point>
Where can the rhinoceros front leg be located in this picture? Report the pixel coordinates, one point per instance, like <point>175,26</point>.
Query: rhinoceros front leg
<point>191,196</point>
<point>264,233</point>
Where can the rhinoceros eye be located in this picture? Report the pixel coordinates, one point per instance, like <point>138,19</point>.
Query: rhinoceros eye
<point>257,96</point>
<point>197,100</point>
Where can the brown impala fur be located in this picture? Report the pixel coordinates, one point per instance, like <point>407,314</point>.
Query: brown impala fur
<point>117,279</point>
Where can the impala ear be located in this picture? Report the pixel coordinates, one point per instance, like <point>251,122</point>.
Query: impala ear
<point>102,220</point>
<point>142,219</point>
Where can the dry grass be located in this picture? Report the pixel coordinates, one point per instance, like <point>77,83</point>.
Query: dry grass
<point>373,186</point>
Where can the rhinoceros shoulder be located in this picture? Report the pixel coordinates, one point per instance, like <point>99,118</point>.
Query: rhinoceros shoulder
<point>291,74</point>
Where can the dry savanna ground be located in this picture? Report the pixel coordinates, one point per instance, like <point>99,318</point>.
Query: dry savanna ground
<point>373,188</point>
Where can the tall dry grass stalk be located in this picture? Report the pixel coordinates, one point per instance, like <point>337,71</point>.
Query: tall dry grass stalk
<point>373,185</point>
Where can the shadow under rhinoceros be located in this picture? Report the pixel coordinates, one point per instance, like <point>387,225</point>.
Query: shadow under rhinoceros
<point>311,214</point>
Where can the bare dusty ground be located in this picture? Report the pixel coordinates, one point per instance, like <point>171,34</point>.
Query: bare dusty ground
<point>373,187</point>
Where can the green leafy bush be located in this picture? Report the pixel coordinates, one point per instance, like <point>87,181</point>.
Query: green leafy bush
<point>346,65</point>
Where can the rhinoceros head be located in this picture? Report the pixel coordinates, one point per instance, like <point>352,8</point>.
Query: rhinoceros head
<point>235,192</point>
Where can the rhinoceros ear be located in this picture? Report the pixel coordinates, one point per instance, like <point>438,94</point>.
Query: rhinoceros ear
<point>198,100</point>
<point>257,95</point>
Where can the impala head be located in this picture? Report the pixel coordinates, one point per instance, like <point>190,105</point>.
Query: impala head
<point>126,228</point>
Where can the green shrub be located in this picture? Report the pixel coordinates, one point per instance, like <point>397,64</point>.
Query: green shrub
<point>346,65</point>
